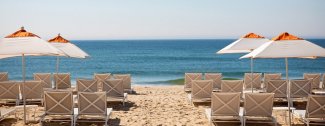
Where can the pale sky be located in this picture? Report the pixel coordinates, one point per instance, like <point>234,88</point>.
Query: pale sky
<point>163,19</point>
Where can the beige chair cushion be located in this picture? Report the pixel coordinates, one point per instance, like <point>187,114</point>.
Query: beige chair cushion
<point>189,77</point>
<point>258,104</point>
<point>300,88</point>
<point>315,106</point>
<point>315,79</point>
<point>255,80</point>
<point>85,85</point>
<point>45,78</point>
<point>62,80</point>
<point>3,76</point>
<point>126,80</point>
<point>216,77</point>
<point>278,87</point>
<point>201,90</point>
<point>58,102</point>
<point>9,90</point>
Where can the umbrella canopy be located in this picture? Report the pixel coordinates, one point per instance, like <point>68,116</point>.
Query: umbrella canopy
<point>287,46</point>
<point>68,48</point>
<point>29,44</point>
<point>23,43</point>
<point>245,44</point>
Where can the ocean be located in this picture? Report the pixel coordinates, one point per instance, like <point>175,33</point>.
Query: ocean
<point>158,61</point>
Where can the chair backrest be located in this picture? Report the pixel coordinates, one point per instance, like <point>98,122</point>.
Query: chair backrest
<point>315,77</point>
<point>58,102</point>
<point>225,104</point>
<point>92,103</point>
<point>100,78</point>
<point>4,76</point>
<point>278,87</point>
<point>232,86</point>
<point>202,89</point>
<point>255,80</point>
<point>45,78</point>
<point>126,80</point>
<point>315,106</point>
<point>33,90</point>
<point>258,104</point>
<point>216,77</point>
<point>113,87</point>
<point>85,85</point>
<point>300,88</point>
<point>9,90</point>
<point>189,77</point>
<point>271,76</point>
<point>62,80</point>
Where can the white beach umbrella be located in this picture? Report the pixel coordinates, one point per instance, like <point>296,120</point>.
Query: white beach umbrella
<point>245,44</point>
<point>23,43</point>
<point>68,48</point>
<point>287,46</point>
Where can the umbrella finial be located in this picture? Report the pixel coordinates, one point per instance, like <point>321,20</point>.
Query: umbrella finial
<point>22,28</point>
<point>59,34</point>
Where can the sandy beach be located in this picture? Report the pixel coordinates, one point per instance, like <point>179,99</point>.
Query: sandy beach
<point>151,106</point>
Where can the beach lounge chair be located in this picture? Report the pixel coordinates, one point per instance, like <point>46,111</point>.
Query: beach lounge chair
<point>315,110</point>
<point>58,106</point>
<point>5,112</point>
<point>232,86</point>
<point>92,107</point>
<point>62,81</point>
<point>100,78</point>
<point>258,108</point>
<point>316,79</point>
<point>114,90</point>
<point>279,88</point>
<point>85,85</point>
<point>45,78</point>
<point>201,91</point>
<point>216,77</point>
<point>271,76</point>
<point>225,107</point>
<point>33,92</point>
<point>126,81</point>
<point>4,76</point>
<point>255,80</point>
<point>189,77</point>
<point>9,92</point>
<point>300,89</point>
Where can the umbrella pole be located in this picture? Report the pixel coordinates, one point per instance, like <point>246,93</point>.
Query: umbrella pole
<point>288,91</point>
<point>57,64</point>
<point>252,74</point>
<point>57,68</point>
<point>23,86</point>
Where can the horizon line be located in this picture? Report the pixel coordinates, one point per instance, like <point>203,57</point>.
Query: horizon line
<point>170,39</point>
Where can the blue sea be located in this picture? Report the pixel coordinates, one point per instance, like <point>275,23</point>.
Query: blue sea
<point>157,61</point>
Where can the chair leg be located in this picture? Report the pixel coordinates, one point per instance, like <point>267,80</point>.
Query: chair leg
<point>244,121</point>
<point>106,120</point>
<point>275,121</point>
<point>72,121</point>
<point>241,121</point>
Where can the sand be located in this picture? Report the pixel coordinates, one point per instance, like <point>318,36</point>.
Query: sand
<point>151,106</point>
